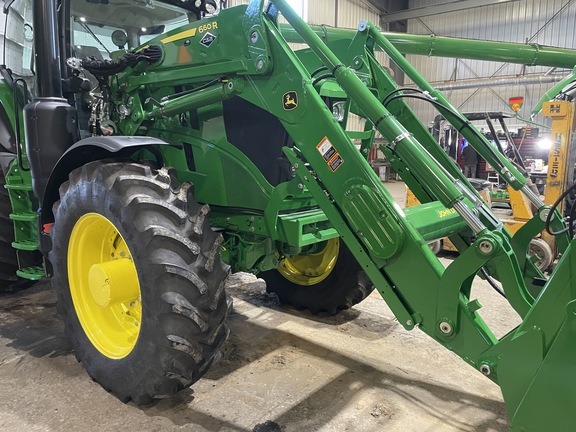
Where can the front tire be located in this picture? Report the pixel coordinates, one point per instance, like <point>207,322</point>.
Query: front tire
<point>328,281</point>
<point>139,279</point>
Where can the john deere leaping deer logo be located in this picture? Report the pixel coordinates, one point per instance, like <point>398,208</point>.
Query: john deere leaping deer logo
<point>290,100</point>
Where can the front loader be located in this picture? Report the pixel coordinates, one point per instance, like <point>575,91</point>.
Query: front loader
<point>166,145</point>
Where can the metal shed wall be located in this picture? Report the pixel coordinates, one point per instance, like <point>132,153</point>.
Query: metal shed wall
<point>544,22</point>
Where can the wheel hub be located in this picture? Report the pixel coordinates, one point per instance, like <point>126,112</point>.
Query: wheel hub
<point>104,286</point>
<point>308,270</point>
<point>113,282</point>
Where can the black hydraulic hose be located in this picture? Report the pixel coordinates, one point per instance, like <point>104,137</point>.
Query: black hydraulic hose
<point>492,283</point>
<point>553,210</point>
<point>317,71</point>
<point>106,68</point>
<point>398,90</point>
<point>440,107</point>
<point>322,77</point>
<point>465,122</point>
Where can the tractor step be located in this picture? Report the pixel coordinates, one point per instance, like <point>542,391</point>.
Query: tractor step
<point>25,245</point>
<point>31,273</point>
<point>19,186</point>
<point>24,217</point>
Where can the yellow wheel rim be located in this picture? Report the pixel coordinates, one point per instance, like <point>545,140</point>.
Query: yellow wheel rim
<point>104,286</point>
<point>311,269</point>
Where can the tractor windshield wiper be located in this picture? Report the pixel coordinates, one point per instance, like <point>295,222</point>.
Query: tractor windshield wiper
<point>89,30</point>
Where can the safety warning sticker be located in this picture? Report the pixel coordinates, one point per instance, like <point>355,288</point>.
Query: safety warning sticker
<point>336,162</point>
<point>326,149</point>
<point>330,155</point>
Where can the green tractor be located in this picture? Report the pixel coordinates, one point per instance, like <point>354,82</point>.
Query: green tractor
<point>151,147</point>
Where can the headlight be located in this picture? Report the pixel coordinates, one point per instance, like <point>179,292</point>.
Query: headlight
<point>339,110</point>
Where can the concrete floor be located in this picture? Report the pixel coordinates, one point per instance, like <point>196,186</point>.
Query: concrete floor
<point>282,370</point>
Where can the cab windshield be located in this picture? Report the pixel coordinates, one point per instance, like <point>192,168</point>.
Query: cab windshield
<point>100,27</point>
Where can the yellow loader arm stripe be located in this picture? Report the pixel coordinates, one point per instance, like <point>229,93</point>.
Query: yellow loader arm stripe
<point>178,36</point>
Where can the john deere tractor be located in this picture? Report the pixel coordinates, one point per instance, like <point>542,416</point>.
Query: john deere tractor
<point>151,146</point>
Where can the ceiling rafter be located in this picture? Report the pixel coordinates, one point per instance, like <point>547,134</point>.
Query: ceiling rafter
<point>439,9</point>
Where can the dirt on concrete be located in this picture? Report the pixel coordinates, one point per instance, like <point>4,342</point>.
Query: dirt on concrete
<point>282,370</point>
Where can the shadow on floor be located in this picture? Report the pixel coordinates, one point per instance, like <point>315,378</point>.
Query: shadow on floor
<point>30,321</point>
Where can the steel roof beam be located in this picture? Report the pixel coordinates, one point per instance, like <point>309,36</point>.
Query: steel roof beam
<point>439,9</point>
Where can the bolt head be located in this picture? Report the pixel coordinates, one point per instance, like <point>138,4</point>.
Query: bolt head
<point>260,64</point>
<point>254,37</point>
<point>485,247</point>
<point>485,369</point>
<point>409,323</point>
<point>544,214</point>
<point>445,327</point>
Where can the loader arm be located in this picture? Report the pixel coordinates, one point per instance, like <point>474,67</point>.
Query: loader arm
<point>388,245</point>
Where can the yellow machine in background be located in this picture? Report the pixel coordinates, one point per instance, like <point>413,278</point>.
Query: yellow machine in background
<point>560,175</point>
<point>561,156</point>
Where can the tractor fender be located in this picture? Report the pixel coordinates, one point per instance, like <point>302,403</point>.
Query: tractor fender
<point>81,153</point>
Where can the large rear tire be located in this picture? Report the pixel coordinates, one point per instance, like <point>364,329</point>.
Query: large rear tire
<point>139,279</point>
<point>328,281</point>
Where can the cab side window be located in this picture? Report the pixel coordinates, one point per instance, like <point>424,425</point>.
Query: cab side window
<point>18,42</point>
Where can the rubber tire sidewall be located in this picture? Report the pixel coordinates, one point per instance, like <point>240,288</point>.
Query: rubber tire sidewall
<point>140,375</point>
<point>102,368</point>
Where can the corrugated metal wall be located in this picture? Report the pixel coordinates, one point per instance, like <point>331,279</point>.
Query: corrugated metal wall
<point>520,21</point>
